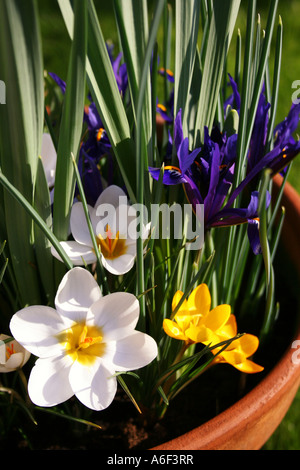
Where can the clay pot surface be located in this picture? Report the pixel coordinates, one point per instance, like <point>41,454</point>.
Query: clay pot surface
<point>249,423</point>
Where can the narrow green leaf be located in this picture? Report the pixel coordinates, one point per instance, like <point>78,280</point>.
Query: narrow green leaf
<point>132,20</point>
<point>20,133</point>
<point>71,124</point>
<point>251,13</point>
<point>276,79</point>
<point>222,23</point>
<point>45,259</point>
<point>187,18</point>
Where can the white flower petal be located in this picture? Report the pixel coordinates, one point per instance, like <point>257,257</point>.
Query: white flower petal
<point>48,383</point>
<point>116,314</point>
<point>36,329</point>
<point>15,361</point>
<point>79,226</point>
<point>130,353</point>
<point>111,195</point>
<point>120,265</point>
<point>126,221</point>
<point>94,386</point>
<point>49,157</point>
<point>77,291</point>
<point>78,254</point>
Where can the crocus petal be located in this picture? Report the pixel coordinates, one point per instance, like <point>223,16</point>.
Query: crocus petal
<point>131,353</point>
<point>116,314</point>
<point>48,383</point>
<point>79,226</point>
<point>172,329</point>
<point>15,361</point>
<point>36,328</point>
<point>111,195</point>
<point>176,299</point>
<point>248,344</point>
<point>229,330</point>
<point>78,254</point>
<point>217,317</point>
<point>119,266</point>
<point>49,157</point>
<point>200,300</point>
<point>201,334</point>
<point>239,362</point>
<point>249,367</point>
<point>94,386</point>
<point>76,293</point>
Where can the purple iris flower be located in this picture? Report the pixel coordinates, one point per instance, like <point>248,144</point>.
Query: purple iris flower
<point>259,133</point>
<point>234,100</point>
<point>61,83</point>
<point>207,175</point>
<point>285,146</point>
<point>120,70</point>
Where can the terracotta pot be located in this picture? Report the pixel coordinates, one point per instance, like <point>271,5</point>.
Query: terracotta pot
<point>249,423</point>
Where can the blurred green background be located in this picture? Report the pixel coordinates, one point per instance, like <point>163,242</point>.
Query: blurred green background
<point>56,47</point>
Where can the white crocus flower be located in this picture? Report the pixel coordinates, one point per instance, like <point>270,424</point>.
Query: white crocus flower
<point>111,218</point>
<point>12,355</point>
<point>49,158</point>
<point>82,343</point>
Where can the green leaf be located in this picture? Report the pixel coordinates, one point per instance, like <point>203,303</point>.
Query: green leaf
<point>20,133</point>
<point>187,17</point>
<point>132,20</point>
<point>71,125</point>
<point>105,93</point>
<point>45,259</point>
<point>222,23</point>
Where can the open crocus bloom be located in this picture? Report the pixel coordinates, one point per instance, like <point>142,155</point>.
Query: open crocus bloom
<point>111,218</point>
<point>82,343</point>
<point>238,352</point>
<point>195,322</point>
<point>49,157</point>
<point>12,355</point>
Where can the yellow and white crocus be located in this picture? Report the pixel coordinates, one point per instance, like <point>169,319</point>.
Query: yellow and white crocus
<point>82,343</point>
<point>12,355</point>
<point>116,243</point>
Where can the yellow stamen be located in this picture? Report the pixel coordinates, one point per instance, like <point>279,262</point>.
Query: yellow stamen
<point>83,343</point>
<point>111,247</point>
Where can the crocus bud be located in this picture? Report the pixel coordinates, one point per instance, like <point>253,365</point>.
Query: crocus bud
<point>12,355</point>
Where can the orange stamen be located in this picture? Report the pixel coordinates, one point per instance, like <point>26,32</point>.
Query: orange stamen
<point>100,133</point>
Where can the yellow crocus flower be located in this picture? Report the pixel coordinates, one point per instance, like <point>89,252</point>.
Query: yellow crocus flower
<point>195,322</point>
<point>238,352</point>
